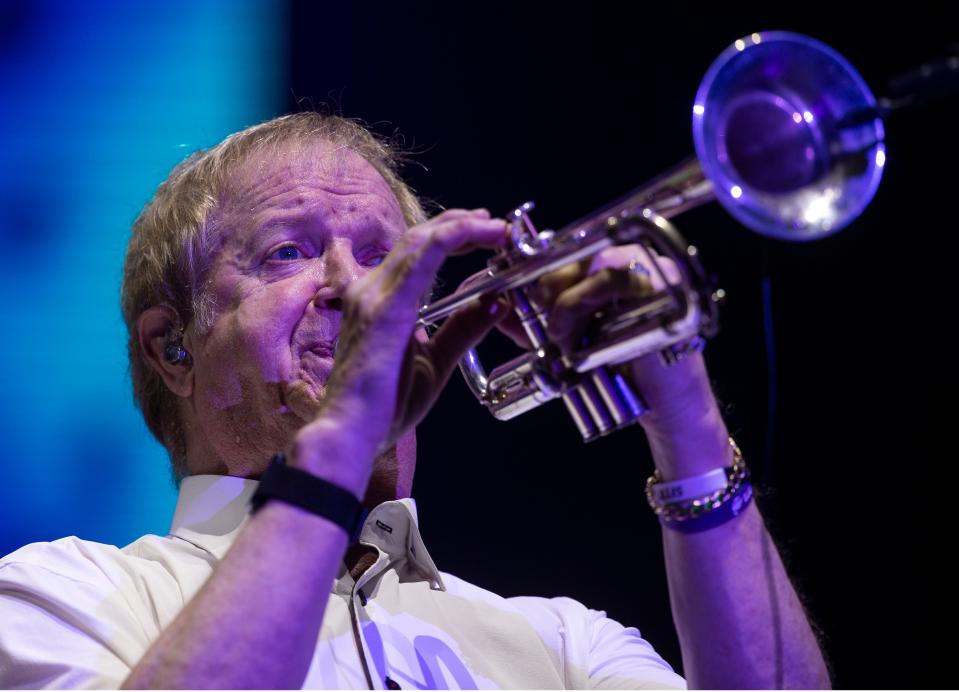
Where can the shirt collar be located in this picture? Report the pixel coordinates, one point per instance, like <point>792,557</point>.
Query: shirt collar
<point>211,510</point>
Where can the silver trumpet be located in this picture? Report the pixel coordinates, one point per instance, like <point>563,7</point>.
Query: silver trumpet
<point>788,139</point>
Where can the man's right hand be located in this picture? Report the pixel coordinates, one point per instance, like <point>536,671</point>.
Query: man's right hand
<point>387,376</point>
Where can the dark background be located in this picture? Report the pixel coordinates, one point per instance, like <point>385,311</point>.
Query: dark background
<point>572,107</point>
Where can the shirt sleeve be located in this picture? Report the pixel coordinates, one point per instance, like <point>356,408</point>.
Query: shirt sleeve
<point>600,653</point>
<point>58,631</point>
<point>619,658</point>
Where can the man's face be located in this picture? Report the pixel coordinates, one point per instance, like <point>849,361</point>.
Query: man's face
<point>299,225</point>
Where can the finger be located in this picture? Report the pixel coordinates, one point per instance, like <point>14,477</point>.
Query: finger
<point>547,287</point>
<point>430,365</point>
<point>513,328</point>
<point>509,324</point>
<point>572,307</point>
<point>660,270</point>
<point>472,280</point>
<point>453,215</point>
<point>463,330</point>
<point>458,212</point>
<point>618,256</point>
<point>407,272</point>
<point>460,234</point>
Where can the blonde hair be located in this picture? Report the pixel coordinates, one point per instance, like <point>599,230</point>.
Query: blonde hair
<point>175,238</point>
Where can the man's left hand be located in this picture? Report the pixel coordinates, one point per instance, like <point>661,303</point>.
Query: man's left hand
<point>684,415</point>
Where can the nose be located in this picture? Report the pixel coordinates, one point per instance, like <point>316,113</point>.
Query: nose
<point>339,270</point>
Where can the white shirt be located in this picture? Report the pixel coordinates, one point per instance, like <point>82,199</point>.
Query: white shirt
<point>75,613</point>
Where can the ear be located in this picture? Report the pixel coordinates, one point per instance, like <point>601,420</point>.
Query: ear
<point>154,327</point>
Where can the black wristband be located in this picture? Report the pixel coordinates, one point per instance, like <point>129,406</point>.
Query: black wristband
<point>304,490</point>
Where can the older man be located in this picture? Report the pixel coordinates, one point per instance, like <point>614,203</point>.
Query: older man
<point>271,290</point>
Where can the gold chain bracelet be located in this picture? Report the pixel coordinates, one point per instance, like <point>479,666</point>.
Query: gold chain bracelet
<point>736,474</point>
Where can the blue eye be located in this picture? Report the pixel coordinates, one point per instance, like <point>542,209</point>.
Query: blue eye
<point>372,256</point>
<point>286,253</point>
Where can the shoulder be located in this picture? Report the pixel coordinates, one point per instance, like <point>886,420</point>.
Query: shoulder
<point>554,619</point>
<point>73,615</point>
<point>81,560</point>
<point>150,578</point>
<point>550,613</point>
<point>70,559</point>
<point>597,650</point>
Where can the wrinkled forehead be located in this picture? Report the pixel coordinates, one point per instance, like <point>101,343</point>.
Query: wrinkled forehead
<point>314,183</point>
<point>274,169</point>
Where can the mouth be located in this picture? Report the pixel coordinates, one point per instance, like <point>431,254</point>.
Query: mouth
<point>324,348</point>
<point>302,395</point>
<point>313,347</point>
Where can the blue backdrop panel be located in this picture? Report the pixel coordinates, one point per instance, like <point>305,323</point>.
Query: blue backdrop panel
<point>98,103</point>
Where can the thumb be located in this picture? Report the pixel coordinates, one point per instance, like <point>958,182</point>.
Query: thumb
<point>463,330</point>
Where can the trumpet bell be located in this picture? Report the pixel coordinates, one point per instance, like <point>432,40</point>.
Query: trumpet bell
<point>788,138</point>
<point>789,135</point>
